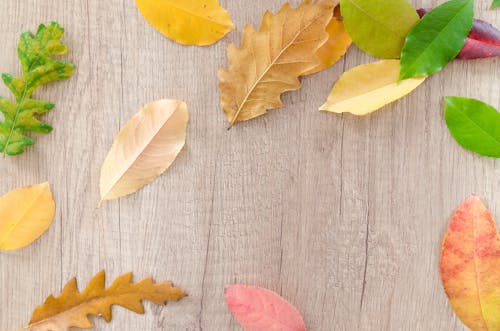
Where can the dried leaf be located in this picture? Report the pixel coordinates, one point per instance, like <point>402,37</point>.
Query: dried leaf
<point>36,54</point>
<point>25,214</point>
<point>437,39</point>
<point>483,40</point>
<point>470,265</point>
<point>369,87</point>
<point>474,124</point>
<point>271,60</point>
<point>145,147</point>
<point>188,22</point>
<point>335,47</point>
<point>72,308</point>
<point>258,309</point>
<point>379,27</point>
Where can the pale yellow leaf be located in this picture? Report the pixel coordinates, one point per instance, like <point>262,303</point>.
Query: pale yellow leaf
<point>271,60</point>
<point>145,147</point>
<point>367,88</point>
<point>72,308</point>
<point>188,22</point>
<point>25,214</point>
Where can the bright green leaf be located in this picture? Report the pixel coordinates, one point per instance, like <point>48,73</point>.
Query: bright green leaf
<point>474,124</point>
<point>437,39</point>
<point>39,67</point>
<point>379,27</point>
<point>495,4</point>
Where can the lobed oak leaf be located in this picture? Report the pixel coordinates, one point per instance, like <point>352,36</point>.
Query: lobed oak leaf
<point>470,265</point>
<point>72,308</point>
<point>258,309</point>
<point>271,60</point>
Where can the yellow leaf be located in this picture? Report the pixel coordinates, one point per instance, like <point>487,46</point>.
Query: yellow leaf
<point>369,87</point>
<point>470,266</point>
<point>337,45</point>
<point>25,214</point>
<point>145,147</point>
<point>188,22</point>
<point>271,60</point>
<point>72,308</point>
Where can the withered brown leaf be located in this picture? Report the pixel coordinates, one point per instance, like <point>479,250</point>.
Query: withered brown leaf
<point>72,308</point>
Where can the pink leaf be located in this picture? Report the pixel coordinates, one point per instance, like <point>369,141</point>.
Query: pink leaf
<point>483,40</point>
<point>258,309</point>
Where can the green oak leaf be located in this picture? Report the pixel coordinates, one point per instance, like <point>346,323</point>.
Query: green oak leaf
<point>36,54</point>
<point>495,4</point>
<point>437,39</point>
<point>474,124</point>
<point>379,27</point>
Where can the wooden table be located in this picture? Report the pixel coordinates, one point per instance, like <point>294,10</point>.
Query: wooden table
<point>342,215</point>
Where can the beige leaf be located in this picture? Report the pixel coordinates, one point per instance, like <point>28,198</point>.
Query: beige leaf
<point>145,147</point>
<point>25,214</point>
<point>369,87</point>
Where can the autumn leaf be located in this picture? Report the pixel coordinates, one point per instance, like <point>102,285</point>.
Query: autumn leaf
<point>188,22</point>
<point>258,309</point>
<point>379,27</point>
<point>335,47</point>
<point>271,60</point>
<point>470,265</point>
<point>145,147</point>
<point>483,40</point>
<point>367,88</point>
<point>72,308</point>
<point>474,124</point>
<point>25,214</point>
<point>436,39</point>
<point>36,54</point>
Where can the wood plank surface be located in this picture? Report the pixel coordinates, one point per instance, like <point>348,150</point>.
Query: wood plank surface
<point>342,215</point>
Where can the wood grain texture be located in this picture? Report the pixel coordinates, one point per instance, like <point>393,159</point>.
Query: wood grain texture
<point>342,215</point>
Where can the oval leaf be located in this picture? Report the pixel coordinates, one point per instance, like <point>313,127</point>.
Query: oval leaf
<point>470,265</point>
<point>145,147</point>
<point>369,87</point>
<point>482,42</point>
<point>474,124</point>
<point>25,214</point>
<point>335,47</point>
<point>258,309</point>
<point>194,22</point>
<point>436,39</point>
<point>270,62</point>
<point>379,27</point>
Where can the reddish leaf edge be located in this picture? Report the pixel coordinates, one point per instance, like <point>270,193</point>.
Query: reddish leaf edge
<point>483,40</point>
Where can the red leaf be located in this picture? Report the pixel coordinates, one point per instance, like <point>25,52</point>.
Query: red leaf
<point>483,40</point>
<point>258,309</point>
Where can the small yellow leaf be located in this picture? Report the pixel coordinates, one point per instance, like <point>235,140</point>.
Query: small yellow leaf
<point>335,47</point>
<point>25,214</point>
<point>188,22</point>
<point>271,60</point>
<point>145,147</point>
<point>72,308</point>
<point>369,87</point>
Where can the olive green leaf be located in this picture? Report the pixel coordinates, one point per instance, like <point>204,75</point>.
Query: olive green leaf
<point>474,124</point>
<point>379,27</point>
<point>35,53</point>
<point>436,39</point>
<point>495,4</point>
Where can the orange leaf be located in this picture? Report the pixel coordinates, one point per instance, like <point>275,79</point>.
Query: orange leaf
<point>71,308</point>
<point>470,266</point>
